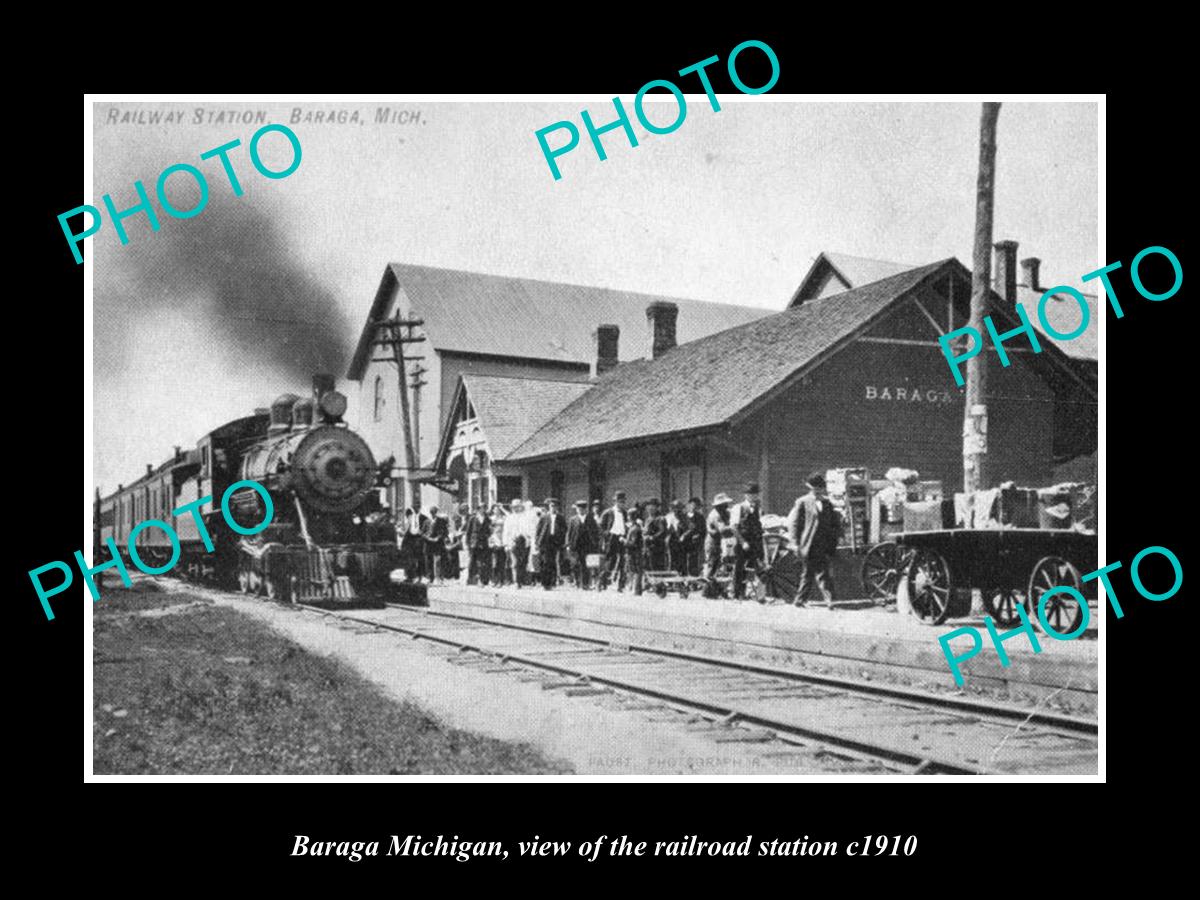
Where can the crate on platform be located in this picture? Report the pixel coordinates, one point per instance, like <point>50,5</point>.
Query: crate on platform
<point>928,515</point>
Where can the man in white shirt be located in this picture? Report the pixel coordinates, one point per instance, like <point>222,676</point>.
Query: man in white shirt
<point>613,526</point>
<point>516,543</point>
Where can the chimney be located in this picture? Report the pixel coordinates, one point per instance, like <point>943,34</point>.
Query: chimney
<point>149,468</point>
<point>1031,266</point>
<point>662,315</point>
<point>1006,270</point>
<point>607,340</point>
<point>178,452</point>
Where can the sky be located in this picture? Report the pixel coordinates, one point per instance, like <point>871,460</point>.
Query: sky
<point>212,316</point>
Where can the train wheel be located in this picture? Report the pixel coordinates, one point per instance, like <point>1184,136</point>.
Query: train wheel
<point>1001,604</point>
<point>270,589</point>
<point>929,587</point>
<point>1063,613</point>
<point>881,571</point>
<point>243,580</point>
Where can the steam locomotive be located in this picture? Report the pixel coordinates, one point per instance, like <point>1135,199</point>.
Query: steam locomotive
<point>328,542</point>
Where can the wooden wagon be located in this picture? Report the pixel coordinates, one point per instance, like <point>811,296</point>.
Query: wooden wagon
<point>1010,566</point>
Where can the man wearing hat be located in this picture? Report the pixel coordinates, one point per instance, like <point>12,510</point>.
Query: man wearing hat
<point>718,528</point>
<point>814,528</point>
<point>613,525</point>
<point>747,521</point>
<point>550,538</point>
<point>583,537</point>
<point>654,538</point>
<point>691,540</point>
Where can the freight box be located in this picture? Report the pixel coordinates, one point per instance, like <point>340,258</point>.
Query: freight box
<point>929,515</point>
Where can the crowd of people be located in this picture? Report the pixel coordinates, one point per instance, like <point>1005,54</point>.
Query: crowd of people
<point>614,547</point>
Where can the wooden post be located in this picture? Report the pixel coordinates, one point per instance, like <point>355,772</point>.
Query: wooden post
<point>975,410</point>
<point>390,336</point>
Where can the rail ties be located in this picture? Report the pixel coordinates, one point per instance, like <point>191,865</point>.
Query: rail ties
<point>743,702</point>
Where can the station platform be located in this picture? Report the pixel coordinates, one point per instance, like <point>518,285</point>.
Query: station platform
<point>854,639</point>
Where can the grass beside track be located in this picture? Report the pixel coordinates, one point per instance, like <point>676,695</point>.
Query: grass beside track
<point>182,686</point>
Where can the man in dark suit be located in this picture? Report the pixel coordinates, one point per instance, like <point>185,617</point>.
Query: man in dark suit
<point>412,544</point>
<point>815,528</point>
<point>434,533</point>
<point>583,537</point>
<point>654,538</point>
<point>691,539</point>
<point>747,553</point>
<point>550,538</point>
<point>613,525</point>
<point>479,530</point>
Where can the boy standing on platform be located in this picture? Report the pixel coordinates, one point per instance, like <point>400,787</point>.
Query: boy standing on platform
<point>634,548</point>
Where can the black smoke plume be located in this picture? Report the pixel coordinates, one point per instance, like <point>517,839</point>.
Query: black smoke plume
<point>236,259</point>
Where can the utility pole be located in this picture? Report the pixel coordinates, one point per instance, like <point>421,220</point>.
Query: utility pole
<point>394,333</point>
<point>975,410</point>
<point>417,383</point>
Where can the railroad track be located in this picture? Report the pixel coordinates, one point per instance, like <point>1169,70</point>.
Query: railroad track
<point>891,727</point>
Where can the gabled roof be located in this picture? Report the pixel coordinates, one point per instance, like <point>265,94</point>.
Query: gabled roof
<point>703,384</point>
<point>856,271</point>
<point>470,312</point>
<point>847,271</point>
<point>509,410</point>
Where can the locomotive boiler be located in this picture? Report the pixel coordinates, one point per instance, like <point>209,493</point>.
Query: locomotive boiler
<point>323,545</point>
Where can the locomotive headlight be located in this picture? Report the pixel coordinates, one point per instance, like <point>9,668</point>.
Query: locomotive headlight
<point>333,404</point>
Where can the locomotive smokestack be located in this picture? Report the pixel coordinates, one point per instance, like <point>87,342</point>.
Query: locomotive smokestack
<point>323,383</point>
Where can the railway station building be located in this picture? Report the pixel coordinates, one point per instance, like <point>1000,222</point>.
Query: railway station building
<point>849,374</point>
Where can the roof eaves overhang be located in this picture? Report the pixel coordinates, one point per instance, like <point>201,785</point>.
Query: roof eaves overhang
<point>622,444</point>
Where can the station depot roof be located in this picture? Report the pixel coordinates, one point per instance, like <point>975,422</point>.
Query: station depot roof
<point>509,409</point>
<point>496,315</point>
<point>834,273</point>
<point>699,386</point>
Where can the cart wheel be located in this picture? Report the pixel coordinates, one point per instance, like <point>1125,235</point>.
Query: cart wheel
<point>929,587</point>
<point>1001,604</point>
<point>1063,614</point>
<point>881,571</point>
